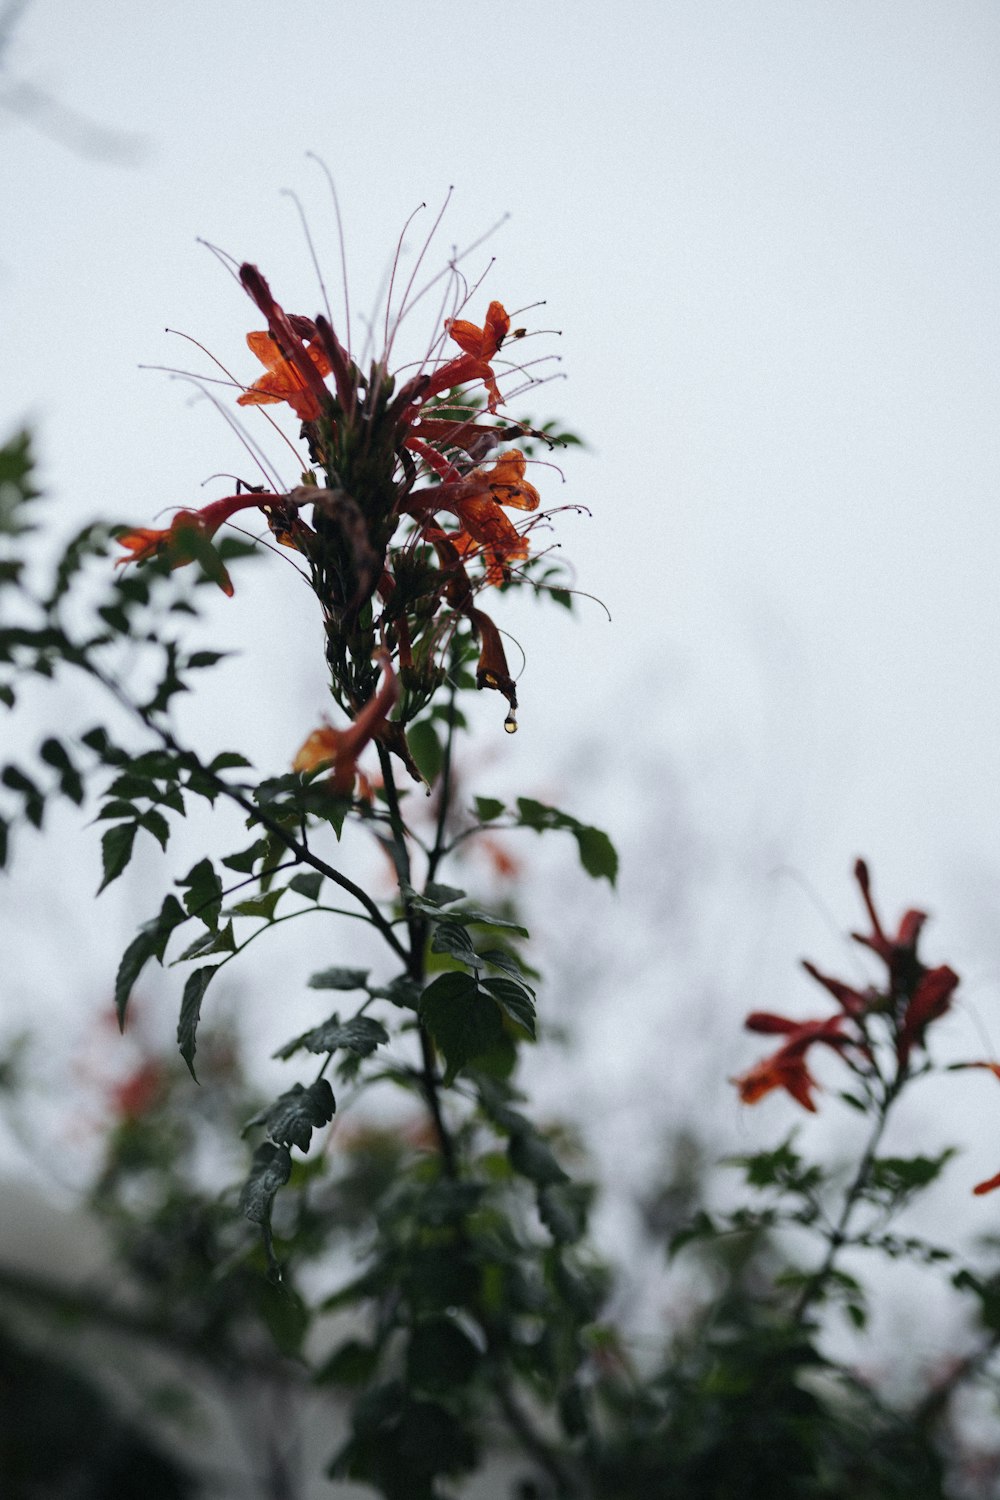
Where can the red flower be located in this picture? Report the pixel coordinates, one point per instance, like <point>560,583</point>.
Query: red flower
<point>851,1001</point>
<point>930,999</point>
<point>899,953</point>
<point>139,1092</point>
<point>786,1068</point>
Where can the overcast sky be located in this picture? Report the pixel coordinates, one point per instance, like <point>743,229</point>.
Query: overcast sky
<point>768,233</point>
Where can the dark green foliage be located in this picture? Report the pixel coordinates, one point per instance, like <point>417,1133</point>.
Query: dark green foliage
<point>187,1027</point>
<point>360,1035</point>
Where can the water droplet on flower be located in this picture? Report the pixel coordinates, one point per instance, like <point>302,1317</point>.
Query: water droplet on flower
<point>510,723</point>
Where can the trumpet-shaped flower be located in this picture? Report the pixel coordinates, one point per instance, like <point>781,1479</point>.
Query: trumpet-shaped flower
<point>339,748</point>
<point>186,538</point>
<point>283,380</point>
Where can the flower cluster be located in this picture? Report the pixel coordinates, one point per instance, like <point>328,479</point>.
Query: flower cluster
<point>404,528</point>
<point>898,1011</point>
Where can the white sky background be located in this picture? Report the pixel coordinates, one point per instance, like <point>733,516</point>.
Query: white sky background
<point>769,232</point>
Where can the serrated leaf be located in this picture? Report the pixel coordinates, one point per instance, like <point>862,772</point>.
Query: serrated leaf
<point>451,938</point>
<point>360,1035</point>
<point>463,1022</point>
<point>270,1170</point>
<point>514,1000</point>
<point>156,824</point>
<point>292,1118</point>
<point>116,851</point>
<point>498,958</point>
<point>221,941</point>
<point>442,895</point>
<point>339,979</point>
<point>115,809</point>
<point>489,808</point>
<point>150,943</point>
<point>307,885</point>
<point>244,862</point>
<point>187,1026</point>
<point>203,893</point>
<point>259,906</point>
<point>403,992</point>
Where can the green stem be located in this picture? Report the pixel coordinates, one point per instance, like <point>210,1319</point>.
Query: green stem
<point>837,1236</point>
<point>417,929</point>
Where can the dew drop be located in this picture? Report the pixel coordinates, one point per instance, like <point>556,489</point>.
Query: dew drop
<point>510,723</point>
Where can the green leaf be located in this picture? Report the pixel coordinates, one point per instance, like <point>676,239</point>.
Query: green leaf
<point>221,941</point>
<point>402,991</point>
<point>34,800</point>
<point>532,1156</point>
<point>156,824</point>
<point>514,1000</point>
<point>150,943</point>
<point>498,958</point>
<point>187,1026</point>
<point>270,1170</point>
<point>291,1119</point>
<point>203,897</point>
<point>488,808</point>
<point>307,885</point>
<point>199,659</point>
<point>227,760</point>
<point>597,853</point>
<point>352,1364</point>
<point>562,1208</point>
<point>463,1022</point>
<point>259,906</point>
<point>425,747</point>
<point>285,1315</point>
<point>441,1356</point>
<point>360,1035</point>
<point>339,979</point>
<point>116,851</point>
<point>244,862</point>
<point>442,895</point>
<point>453,939</point>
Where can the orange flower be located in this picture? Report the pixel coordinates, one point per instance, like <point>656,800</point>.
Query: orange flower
<point>481,342</point>
<point>283,382</point>
<point>340,748</point>
<point>480,345</point>
<point>476,501</point>
<point>186,537</point>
